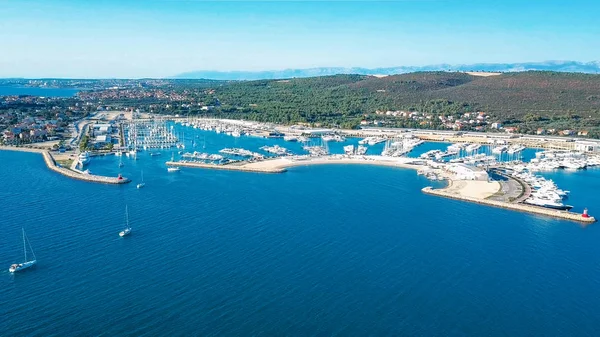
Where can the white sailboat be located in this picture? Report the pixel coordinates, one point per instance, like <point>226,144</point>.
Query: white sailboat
<point>142,183</point>
<point>20,266</point>
<point>173,168</point>
<point>127,229</point>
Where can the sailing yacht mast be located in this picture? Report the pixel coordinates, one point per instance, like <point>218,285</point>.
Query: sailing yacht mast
<point>24,247</point>
<point>126,216</point>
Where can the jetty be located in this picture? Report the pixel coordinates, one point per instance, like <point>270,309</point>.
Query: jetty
<point>564,215</point>
<point>75,174</point>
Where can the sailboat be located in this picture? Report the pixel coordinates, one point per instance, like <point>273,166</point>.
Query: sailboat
<point>20,266</point>
<point>127,229</point>
<point>142,183</point>
<point>173,168</point>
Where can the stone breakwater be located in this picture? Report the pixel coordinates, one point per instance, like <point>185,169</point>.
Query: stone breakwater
<point>51,163</point>
<point>564,215</point>
<point>80,176</point>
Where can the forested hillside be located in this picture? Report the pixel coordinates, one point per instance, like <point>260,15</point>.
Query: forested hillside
<point>528,99</point>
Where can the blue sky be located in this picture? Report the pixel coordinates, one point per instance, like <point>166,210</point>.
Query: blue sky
<point>159,38</point>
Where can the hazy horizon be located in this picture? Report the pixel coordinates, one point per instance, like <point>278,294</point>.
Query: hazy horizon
<point>160,39</point>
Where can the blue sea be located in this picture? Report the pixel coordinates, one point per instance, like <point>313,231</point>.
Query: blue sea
<point>36,91</point>
<point>343,250</point>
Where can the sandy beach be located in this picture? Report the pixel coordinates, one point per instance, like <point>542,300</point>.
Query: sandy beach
<point>473,188</point>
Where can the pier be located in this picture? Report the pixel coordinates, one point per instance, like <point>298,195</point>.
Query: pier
<point>49,160</point>
<point>51,164</point>
<point>563,215</point>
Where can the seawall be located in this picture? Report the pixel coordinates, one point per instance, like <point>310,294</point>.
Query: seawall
<point>51,164</point>
<point>564,215</point>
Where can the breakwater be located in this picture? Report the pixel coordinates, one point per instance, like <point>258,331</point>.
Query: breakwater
<point>51,164</point>
<point>49,160</point>
<point>564,215</point>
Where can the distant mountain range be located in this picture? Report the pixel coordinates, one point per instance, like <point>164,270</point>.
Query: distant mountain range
<point>563,66</point>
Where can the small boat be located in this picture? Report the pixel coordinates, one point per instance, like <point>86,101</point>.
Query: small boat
<point>173,168</point>
<point>127,229</point>
<point>20,266</point>
<point>154,154</point>
<point>142,183</point>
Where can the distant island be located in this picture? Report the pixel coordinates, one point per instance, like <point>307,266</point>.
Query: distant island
<point>531,102</point>
<point>560,66</point>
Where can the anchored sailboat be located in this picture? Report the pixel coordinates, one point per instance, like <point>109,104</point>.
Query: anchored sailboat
<point>20,266</point>
<point>127,229</point>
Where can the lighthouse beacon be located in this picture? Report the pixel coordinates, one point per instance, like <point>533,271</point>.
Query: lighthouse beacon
<point>585,213</point>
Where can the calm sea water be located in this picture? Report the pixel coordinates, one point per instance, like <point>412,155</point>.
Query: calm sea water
<point>323,250</point>
<point>33,91</point>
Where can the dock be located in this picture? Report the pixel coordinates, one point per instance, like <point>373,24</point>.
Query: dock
<point>563,215</point>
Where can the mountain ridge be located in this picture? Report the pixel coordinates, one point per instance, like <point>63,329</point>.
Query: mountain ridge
<point>592,67</point>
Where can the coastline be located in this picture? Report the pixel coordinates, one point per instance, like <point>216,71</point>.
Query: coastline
<point>476,191</point>
<point>51,164</point>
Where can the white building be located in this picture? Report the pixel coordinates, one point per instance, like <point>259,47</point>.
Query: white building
<point>466,172</point>
<point>102,140</point>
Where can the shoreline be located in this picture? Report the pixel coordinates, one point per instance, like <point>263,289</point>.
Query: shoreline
<point>51,164</point>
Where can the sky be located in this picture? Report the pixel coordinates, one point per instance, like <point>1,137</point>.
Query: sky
<point>162,38</point>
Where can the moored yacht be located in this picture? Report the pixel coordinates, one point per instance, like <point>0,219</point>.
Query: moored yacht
<point>84,158</point>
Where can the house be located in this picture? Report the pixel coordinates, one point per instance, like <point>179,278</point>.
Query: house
<point>567,132</point>
<point>540,131</point>
<point>511,129</point>
<point>364,122</point>
<point>583,133</point>
<point>38,133</point>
